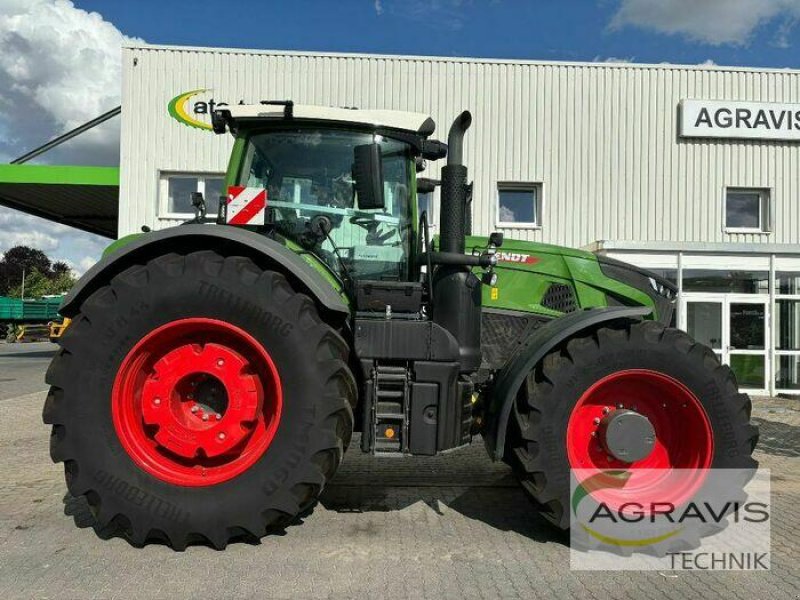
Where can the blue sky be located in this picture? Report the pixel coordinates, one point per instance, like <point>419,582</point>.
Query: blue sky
<point>59,59</point>
<point>580,30</point>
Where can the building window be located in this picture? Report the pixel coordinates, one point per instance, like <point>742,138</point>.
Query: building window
<point>747,210</point>
<point>425,205</point>
<point>787,332</point>
<point>670,275</point>
<point>176,190</point>
<point>787,319</point>
<point>787,282</point>
<point>725,282</point>
<point>787,373</point>
<point>519,204</point>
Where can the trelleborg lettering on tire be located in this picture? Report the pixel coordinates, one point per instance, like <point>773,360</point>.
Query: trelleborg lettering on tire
<point>135,495</point>
<point>211,291</point>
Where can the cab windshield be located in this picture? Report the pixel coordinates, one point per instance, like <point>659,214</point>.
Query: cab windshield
<point>309,172</point>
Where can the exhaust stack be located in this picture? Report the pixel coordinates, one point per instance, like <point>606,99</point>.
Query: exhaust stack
<point>453,216</point>
<point>456,290</point>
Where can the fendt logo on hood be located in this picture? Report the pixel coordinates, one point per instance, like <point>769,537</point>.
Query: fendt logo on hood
<point>516,257</point>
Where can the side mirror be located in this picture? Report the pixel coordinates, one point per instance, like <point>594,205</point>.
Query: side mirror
<point>219,120</point>
<point>433,149</point>
<point>426,186</point>
<point>496,239</point>
<point>368,175</point>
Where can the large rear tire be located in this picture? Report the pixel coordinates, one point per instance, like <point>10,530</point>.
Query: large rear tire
<point>692,402</point>
<point>199,398</point>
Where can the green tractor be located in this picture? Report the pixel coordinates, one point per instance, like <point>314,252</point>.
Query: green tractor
<point>213,373</point>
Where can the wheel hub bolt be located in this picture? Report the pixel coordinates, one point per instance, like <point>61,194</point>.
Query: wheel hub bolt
<point>218,416</point>
<point>157,401</point>
<point>596,421</point>
<point>205,417</point>
<point>221,435</point>
<point>605,410</point>
<point>195,408</point>
<point>220,362</point>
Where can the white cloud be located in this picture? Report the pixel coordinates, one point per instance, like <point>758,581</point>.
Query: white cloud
<point>507,215</point>
<point>714,22</point>
<point>86,263</point>
<point>59,67</point>
<point>612,59</point>
<point>435,14</point>
<point>59,242</point>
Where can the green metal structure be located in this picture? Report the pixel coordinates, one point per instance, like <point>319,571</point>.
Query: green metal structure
<point>84,197</point>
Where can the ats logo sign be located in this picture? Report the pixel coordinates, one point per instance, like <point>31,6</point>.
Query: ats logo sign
<point>188,109</point>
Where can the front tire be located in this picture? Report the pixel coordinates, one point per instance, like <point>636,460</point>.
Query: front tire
<point>199,398</point>
<point>691,401</point>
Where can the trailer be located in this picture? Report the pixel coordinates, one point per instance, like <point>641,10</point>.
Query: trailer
<point>17,315</point>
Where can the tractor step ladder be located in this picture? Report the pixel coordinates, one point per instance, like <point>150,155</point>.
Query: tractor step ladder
<point>390,410</point>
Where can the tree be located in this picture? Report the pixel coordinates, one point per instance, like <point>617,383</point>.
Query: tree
<point>62,282</point>
<point>38,285</point>
<point>19,259</point>
<point>42,276</point>
<point>61,268</point>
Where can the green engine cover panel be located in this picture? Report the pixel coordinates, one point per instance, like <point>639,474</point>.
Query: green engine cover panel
<point>545,279</point>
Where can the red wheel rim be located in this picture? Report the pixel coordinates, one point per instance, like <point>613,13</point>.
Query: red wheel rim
<point>684,443</point>
<point>196,402</point>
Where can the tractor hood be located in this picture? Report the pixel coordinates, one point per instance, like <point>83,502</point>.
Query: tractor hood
<point>530,273</point>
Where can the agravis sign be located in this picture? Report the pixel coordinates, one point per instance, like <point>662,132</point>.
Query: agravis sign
<point>739,120</point>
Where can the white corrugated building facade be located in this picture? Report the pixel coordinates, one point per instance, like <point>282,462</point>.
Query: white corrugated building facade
<point>689,171</point>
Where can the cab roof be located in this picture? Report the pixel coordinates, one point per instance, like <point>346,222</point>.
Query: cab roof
<point>418,123</point>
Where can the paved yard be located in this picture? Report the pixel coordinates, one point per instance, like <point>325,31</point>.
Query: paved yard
<point>22,367</point>
<point>450,527</point>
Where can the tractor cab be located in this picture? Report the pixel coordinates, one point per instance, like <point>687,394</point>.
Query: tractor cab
<point>340,183</point>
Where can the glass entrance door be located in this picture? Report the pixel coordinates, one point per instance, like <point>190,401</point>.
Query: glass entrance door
<point>703,319</point>
<point>748,342</point>
<point>736,328</point>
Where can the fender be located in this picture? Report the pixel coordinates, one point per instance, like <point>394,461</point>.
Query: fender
<point>189,238</point>
<point>534,349</point>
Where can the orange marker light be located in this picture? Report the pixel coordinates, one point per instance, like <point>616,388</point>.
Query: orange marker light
<point>389,433</point>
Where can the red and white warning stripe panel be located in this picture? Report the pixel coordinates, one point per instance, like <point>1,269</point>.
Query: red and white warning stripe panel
<point>246,205</point>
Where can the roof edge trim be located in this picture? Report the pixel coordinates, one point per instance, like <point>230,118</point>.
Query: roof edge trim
<point>59,174</point>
